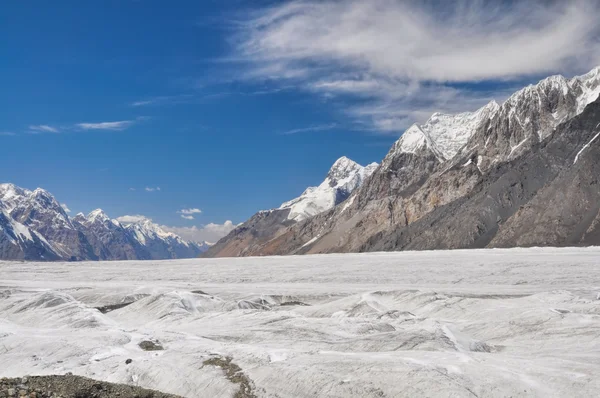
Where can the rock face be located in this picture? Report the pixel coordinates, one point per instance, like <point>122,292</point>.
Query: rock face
<point>518,174</point>
<point>344,177</point>
<point>34,226</point>
<point>41,212</point>
<point>21,243</point>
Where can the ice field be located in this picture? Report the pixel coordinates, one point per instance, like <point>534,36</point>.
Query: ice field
<point>465,323</point>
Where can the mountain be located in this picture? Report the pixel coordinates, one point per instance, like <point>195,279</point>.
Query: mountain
<point>34,226</point>
<point>344,177</point>
<point>41,212</point>
<point>19,242</point>
<point>517,174</point>
<point>161,244</point>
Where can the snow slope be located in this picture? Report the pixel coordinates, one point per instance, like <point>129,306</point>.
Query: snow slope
<point>485,323</point>
<point>445,135</point>
<point>342,179</point>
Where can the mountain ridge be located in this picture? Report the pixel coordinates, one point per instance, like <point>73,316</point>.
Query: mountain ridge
<point>35,226</point>
<point>414,187</point>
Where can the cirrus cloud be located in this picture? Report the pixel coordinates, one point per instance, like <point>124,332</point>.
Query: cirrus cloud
<point>116,126</point>
<point>43,128</point>
<point>404,59</point>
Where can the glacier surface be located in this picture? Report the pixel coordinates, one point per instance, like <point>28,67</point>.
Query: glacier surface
<point>464,323</point>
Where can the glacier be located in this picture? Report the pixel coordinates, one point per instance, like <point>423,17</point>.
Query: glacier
<point>462,323</point>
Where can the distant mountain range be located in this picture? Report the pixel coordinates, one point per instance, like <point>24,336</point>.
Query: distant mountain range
<point>34,226</point>
<point>523,173</point>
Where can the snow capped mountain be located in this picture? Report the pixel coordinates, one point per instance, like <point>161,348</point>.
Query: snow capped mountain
<point>11,195</point>
<point>132,239</point>
<point>443,134</point>
<point>41,212</point>
<point>162,243</point>
<point>20,242</point>
<point>343,178</point>
<point>529,116</point>
<point>35,226</point>
<point>535,109</point>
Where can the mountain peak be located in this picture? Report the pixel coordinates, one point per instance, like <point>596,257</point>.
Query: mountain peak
<point>42,194</point>
<point>343,162</point>
<point>343,178</point>
<point>590,75</point>
<point>97,215</point>
<point>342,168</point>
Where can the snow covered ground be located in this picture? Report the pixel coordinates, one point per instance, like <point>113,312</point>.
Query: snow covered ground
<point>519,322</point>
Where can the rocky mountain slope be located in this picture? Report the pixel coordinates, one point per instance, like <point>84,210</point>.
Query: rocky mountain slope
<point>34,226</point>
<point>517,174</point>
<point>344,177</point>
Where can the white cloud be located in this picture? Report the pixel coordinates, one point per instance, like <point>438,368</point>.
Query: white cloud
<point>116,126</point>
<point>406,56</point>
<point>132,189</point>
<point>7,133</point>
<point>152,189</point>
<point>129,219</point>
<point>311,129</point>
<point>190,211</point>
<point>209,233</point>
<point>65,208</point>
<point>43,128</point>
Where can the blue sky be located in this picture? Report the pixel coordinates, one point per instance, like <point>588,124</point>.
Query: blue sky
<point>234,106</point>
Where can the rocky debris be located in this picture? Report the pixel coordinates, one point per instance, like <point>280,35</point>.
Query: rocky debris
<point>111,307</point>
<point>294,303</point>
<point>148,345</point>
<point>128,361</point>
<point>234,374</point>
<point>70,386</point>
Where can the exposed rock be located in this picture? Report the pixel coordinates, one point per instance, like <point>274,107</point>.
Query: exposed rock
<point>69,386</point>
<point>148,345</point>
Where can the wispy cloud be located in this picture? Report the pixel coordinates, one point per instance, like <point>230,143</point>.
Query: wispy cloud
<point>187,217</point>
<point>43,128</point>
<point>164,100</point>
<point>152,189</point>
<point>132,189</point>
<point>115,126</point>
<point>65,208</point>
<point>7,133</point>
<point>311,129</point>
<point>408,57</point>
